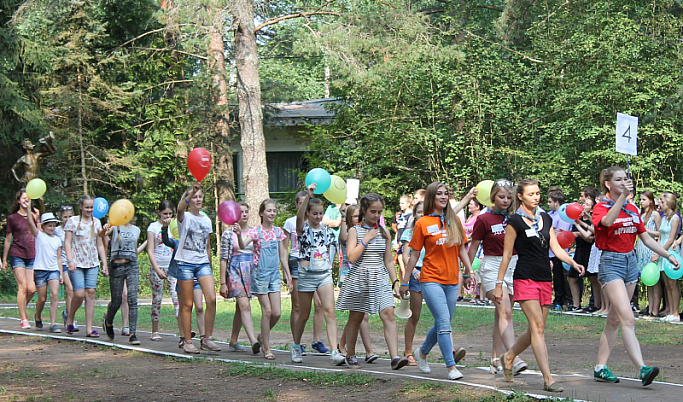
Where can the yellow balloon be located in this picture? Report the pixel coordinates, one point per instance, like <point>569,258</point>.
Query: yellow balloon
<point>484,194</point>
<point>337,191</point>
<point>121,212</point>
<point>35,189</point>
<point>174,228</point>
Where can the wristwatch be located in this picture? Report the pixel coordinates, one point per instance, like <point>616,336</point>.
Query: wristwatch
<point>499,282</point>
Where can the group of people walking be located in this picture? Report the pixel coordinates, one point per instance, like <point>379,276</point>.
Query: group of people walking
<point>513,239</point>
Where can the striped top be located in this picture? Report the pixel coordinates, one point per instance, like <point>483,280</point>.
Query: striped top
<point>366,287</point>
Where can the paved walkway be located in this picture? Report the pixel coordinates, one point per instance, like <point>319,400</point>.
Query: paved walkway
<point>577,386</point>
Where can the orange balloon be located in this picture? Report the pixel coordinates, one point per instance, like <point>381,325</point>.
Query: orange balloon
<point>121,212</point>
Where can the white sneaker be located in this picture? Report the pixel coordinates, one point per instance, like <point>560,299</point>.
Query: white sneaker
<point>296,354</point>
<point>337,358</point>
<point>421,363</point>
<point>454,374</point>
<point>671,318</point>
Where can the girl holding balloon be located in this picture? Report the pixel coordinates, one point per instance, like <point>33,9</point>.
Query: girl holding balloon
<point>651,219</point>
<point>269,253</point>
<point>83,247</point>
<point>616,225</point>
<point>489,231</point>
<point>20,247</point>
<point>530,233</point>
<point>235,274</point>
<point>123,271</point>
<point>668,229</point>
<point>159,259</point>
<point>194,262</point>
<point>317,249</point>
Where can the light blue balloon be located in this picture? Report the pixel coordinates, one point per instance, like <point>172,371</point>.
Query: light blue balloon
<point>669,268</point>
<point>321,178</point>
<point>563,213</point>
<point>100,208</point>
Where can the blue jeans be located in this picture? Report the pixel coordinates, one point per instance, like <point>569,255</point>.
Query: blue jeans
<point>441,302</point>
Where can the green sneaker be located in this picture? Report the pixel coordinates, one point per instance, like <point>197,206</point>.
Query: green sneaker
<point>648,374</point>
<point>605,375</point>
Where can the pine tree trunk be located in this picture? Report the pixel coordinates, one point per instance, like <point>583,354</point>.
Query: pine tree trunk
<point>80,135</point>
<point>225,176</point>
<point>250,112</point>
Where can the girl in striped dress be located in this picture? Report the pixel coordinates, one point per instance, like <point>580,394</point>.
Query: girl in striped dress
<point>369,284</point>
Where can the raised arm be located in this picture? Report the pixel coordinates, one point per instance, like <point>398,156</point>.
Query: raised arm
<point>185,201</point>
<point>31,221</point>
<point>301,213</point>
<point>466,199</point>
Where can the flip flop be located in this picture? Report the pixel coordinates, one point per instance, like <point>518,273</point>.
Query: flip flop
<point>269,356</point>
<point>507,371</point>
<point>93,334</point>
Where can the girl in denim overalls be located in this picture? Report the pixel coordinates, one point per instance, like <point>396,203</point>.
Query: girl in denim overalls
<point>265,279</point>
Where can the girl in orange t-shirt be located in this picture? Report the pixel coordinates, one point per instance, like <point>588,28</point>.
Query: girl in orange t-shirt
<point>443,238</point>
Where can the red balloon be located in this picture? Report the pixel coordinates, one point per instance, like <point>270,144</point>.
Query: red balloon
<point>574,211</point>
<point>566,239</point>
<point>199,163</point>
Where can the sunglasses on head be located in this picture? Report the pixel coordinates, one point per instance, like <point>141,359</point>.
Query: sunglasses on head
<point>503,183</point>
<point>67,208</point>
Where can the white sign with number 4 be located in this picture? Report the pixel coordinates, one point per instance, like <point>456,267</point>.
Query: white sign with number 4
<point>627,134</point>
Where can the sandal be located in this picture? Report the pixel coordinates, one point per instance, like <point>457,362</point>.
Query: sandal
<point>496,368</point>
<point>268,355</point>
<point>93,334</point>
<point>155,336</point>
<point>507,371</point>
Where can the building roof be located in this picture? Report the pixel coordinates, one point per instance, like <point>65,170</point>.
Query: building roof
<point>314,111</point>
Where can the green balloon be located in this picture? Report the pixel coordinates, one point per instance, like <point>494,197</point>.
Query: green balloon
<point>476,264</point>
<point>650,274</point>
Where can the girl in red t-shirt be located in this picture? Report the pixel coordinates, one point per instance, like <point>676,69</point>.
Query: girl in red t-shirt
<point>616,225</point>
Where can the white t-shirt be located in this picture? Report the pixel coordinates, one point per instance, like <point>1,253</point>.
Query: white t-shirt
<point>46,252</point>
<point>290,227</point>
<point>194,234</point>
<point>84,240</point>
<point>162,253</point>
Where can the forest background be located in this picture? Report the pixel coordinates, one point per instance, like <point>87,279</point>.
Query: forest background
<point>457,91</point>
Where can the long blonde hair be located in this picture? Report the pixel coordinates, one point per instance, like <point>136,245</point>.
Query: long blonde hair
<point>454,230</point>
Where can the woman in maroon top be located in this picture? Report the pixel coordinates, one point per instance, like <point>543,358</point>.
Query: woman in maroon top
<point>20,245</point>
<point>616,225</point>
<point>489,230</point>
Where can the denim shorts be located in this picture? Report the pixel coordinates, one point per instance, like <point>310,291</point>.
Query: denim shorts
<point>65,269</point>
<point>615,265</point>
<point>414,285</point>
<point>18,262</point>
<point>310,281</point>
<point>294,267</point>
<point>40,277</point>
<point>84,278</point>
<point>265,282</point>
<point>189,272</point>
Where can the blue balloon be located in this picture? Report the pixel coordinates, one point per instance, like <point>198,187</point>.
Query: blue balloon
<point>100,208</point>
<point>669,269</point>
<point>563,213</point>
<point>567,266</point>
<point>321,178</point>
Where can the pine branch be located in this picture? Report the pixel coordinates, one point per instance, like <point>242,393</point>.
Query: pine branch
<point>166,49</point>
<point>290,16</point>
<point>168,82</point>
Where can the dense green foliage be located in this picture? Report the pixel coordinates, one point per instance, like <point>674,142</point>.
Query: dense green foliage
<point>456,91</point>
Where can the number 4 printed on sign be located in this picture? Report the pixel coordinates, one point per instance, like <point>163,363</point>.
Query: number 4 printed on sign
<point>627,134</point>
